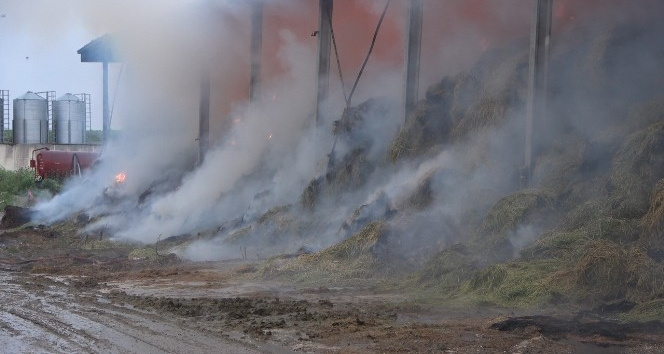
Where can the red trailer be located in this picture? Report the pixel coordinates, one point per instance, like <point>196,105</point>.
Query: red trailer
<point>60,164</point>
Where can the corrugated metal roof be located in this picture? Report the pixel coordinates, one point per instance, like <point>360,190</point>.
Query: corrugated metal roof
<point>30,96</point>
<point>68,97</point>
<point>100,50</point>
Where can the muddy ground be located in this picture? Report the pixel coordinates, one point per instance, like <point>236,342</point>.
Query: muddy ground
<point>68,293</point>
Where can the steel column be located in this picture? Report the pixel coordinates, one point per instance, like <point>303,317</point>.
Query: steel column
<point>256,50</point>
<point>204,118</point>
<point>324,49</point>
<point>413,52</point>
<point>106,119</point>
<point>537,77</point>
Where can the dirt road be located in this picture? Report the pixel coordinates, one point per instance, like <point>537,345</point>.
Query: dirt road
<point>48,315</point>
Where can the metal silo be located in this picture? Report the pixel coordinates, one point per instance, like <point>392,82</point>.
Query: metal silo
<point>69,120</point>
<point>30,119</point>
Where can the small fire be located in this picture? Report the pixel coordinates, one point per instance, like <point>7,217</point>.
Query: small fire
<point>269,135</point>
<point>120,177</point>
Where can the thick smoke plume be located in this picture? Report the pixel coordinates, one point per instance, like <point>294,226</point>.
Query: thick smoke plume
<point>270,157</point>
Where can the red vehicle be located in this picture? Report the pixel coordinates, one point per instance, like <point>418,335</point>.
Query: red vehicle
<point>60,164</point>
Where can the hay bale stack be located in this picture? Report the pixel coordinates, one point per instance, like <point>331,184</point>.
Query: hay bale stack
<point>557,169</point>
<point>449,268</point>
<point>607,271</point>
<point>636,167</point>
<point>527,207</point>
<point>487,112</point>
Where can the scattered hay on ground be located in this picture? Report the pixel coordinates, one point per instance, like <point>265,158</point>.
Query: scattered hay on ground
<point>652,310</point>
<point>354,259</point>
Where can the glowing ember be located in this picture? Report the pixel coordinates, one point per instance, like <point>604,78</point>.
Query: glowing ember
<point>120,177</point>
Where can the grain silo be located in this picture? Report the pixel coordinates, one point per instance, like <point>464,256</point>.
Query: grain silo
<point>30,119</point>
<point>69,120</point>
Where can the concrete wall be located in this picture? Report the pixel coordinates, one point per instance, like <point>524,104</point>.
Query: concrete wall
<point>15,157</point>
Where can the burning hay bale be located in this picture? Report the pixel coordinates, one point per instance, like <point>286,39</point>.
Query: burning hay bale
<point>349,174</point>
<point>427,127</point>
<point>636,167</point>
<point>429,124</point>
<point>379,209</point>
<point>14,217</point>
<point>490,111</point>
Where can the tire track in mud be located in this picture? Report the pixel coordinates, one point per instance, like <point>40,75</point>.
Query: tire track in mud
<point>52,318</point>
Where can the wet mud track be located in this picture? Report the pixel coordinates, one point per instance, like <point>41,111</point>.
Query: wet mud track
<point>203,311</point>
<point>45,315</point>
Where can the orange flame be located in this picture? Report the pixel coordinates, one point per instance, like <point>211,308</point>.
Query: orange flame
<point>120,177</point>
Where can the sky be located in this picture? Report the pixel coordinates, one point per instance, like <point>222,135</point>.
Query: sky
<point>39,40</point>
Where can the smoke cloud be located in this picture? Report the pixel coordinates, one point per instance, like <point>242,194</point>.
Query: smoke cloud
<point>266,155</point>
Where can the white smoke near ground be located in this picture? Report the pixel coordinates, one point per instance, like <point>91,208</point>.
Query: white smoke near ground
<point>273,148</point>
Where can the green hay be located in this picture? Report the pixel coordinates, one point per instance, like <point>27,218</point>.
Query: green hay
<point>349,174</point>
<point>556,169</point>
<point>425,128</point>
<point>488,112</point>
<point>524,206</point>
<point>448,269</point>
<point>149,254</point>
<point>636,168</point>
<point>422,197</point>
<point>353,260</point>
<point>608,272</point>
<point>521,284</point>
<point>557,245</point>
<point>646,311</point>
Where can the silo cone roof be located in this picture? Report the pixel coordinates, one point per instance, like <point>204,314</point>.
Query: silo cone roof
<point>30,96</point>
<point>68,97</point>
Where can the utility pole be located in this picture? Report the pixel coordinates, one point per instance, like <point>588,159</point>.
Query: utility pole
<point>324,49</point>
<point>540,36</point>
<point>256,50</point>
<point>413,52</point>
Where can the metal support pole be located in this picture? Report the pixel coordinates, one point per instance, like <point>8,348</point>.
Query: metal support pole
<point>204,118</point>
<point>256,50</point>
<point>537,78</point>
<point>413,52</point>
<point>324,49</point>
<point>106,121</point>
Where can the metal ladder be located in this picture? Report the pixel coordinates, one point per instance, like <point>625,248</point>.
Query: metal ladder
<point>6,126</point>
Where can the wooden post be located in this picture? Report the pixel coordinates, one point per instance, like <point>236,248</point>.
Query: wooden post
<point>537,78</point>
<point>256,50</point>
<point>413,51</point>
<point>324,49</point>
